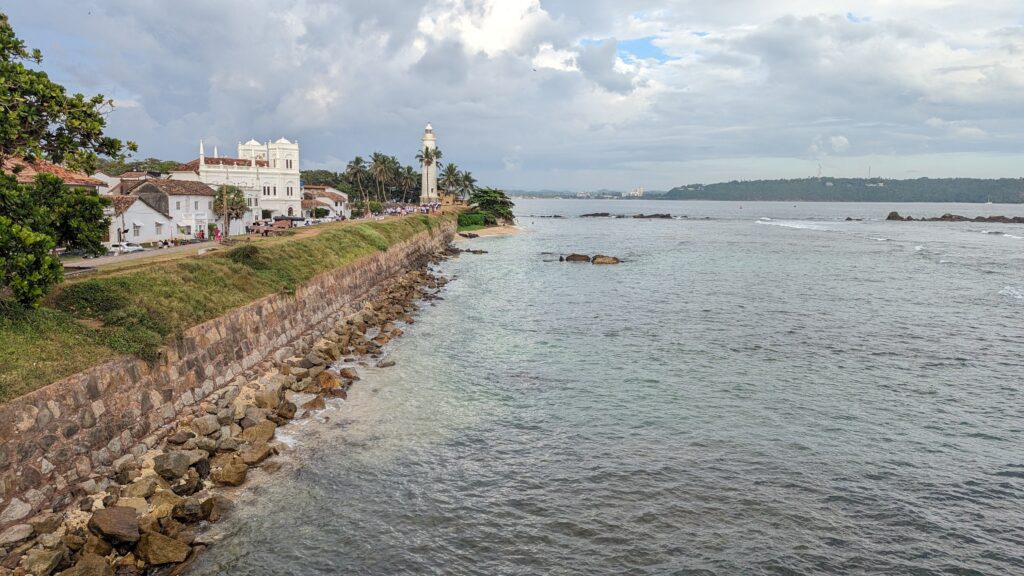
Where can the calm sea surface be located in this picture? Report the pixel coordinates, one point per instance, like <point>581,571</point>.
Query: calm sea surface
<point>771,391</point>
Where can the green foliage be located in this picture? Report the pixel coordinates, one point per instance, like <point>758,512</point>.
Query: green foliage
<point>229,204</point>
<point>40,119</point>
<point>320,212</point>
<point>26,266</point>
<point>118,166</point>
<point>376,207</point>
<point>494,204</point>
<point>1005,190</point>
<point>247,255</point>
<point>468,219</point>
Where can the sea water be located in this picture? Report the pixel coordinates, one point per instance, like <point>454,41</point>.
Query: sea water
<point>771,390</point>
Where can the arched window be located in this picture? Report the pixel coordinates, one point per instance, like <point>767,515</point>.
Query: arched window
<point>291,211</point>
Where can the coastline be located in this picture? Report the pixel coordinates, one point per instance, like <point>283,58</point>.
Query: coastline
<point>491,231</point>
<point>147,509</point>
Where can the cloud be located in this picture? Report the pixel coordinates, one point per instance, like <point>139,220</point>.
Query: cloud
<point>625,93</point>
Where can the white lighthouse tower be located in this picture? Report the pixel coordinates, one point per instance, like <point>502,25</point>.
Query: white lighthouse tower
<point>428,189</point>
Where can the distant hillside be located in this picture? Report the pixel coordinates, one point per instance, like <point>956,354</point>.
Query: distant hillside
<point>1002,191</point>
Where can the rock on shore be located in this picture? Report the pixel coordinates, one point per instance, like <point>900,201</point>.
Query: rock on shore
<point>895,216</point>
<point>148,511</point>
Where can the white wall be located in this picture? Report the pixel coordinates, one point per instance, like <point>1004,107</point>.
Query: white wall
<point>144,225</point>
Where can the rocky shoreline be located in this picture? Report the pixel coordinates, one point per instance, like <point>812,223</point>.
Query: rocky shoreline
<point>895,216</point>
<point>147,515</point>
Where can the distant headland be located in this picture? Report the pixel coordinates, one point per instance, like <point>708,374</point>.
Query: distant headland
<point>966,190</point>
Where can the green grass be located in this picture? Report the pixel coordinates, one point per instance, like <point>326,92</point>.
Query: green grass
<point>472,227</point>
<point>136,311</point>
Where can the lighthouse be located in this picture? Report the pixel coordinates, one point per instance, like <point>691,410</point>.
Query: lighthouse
<point>428,188</point>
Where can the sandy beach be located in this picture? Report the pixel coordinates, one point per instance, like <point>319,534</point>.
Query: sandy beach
<point>493,231</point>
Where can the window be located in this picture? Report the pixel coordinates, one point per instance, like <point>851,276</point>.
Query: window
<point>177,205</point>
<point>159,228</point>
<point>275,190</point>
<point>288,164</point>
<point>136,230</point>
<point>210,207</point>
<point>289,191</point>
<point>196,205</point>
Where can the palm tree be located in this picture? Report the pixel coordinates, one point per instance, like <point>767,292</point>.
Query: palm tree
<point>409,179</point>
<point>450,179</point>
<point>429,157</point>
<point>380,169</point>
<point>468,184</point>
<point>355,171</point>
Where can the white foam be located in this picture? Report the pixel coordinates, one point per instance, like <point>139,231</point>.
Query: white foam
<point>879,239</point>
<point>1014,237</point>
<point>1013,292</point>
<point>795,225</point>
<point>918,248</point>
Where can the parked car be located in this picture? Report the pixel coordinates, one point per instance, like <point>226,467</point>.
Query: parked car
<point>125,248</point>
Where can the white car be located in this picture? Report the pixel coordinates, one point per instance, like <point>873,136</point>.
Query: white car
<point>125,248</point>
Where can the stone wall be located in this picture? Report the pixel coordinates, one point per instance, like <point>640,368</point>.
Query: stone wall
<point>56,440</point>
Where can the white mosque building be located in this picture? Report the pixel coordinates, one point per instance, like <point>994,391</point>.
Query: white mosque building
<point>267,173</point>
<point>428,187</point>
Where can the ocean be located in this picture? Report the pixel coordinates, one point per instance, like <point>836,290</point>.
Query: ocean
<point>770,390</point>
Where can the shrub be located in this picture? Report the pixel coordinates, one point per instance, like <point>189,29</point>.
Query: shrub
<point>467,219</point>
<point>248,255</point>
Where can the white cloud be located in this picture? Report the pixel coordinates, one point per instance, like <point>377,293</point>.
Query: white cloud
<point>747,85</point>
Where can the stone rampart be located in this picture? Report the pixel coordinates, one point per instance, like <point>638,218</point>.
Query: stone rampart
<point>55,440</point>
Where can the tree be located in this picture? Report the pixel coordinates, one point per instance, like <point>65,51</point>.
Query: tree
<point>229,205</point>
<point>450,179</point>
<point>468,185</point>
<point>356,171</point>
<point>39,118</point>
<point>428,157</point>
<point>494,204</point>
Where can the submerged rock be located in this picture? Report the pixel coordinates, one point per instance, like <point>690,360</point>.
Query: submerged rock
<point>602,259</point>
<point>577,258</point>
<point>156,549</point>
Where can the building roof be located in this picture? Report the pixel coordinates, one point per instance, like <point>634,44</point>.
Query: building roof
<point>27,172</point>
<point>193,166</point>
<point>282,141</point>
<point>121,203</point>
<point>313,204</point>
<point>176,187</point>
<point>126,186</point>
<point>321,191</point>
<point>133,174</point>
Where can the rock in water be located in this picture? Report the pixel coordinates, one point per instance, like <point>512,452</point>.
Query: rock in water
<point>157,549</point>
<point>117,525</point>
<point>894,216</point>
<point>602,259</point>
<point>577,258</point>
<point>349,373</point>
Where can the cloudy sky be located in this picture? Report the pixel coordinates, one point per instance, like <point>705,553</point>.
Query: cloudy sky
<point>561,94</point>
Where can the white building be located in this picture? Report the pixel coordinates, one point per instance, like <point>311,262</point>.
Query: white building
<point>334,201</point>
<point>267,173</point>
<point>135,220</point>
<point>428,185</point>
<point>635,193</point>
<point>189,204</point>
<point>108,182</point>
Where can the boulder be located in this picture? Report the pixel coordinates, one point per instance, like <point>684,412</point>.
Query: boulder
<point>89,565</point>
<point>138,504</point>
<point>602,259</point>
<point>117,525</point>
<point>46,523</point>
<point>15,511</point>
<point>231,474</point>
<point>261,432</point>
<point>894,216</point>
<point>328,380</point>
<point>256,454</point>
<point>348,374</point>
<point>180,437</point>
<point>287,410</point>
<point>172,465</point>
<point>596,215</point>
<point>15,534</point>
<point>268,399</point>
<point>385,364</point>
<point>164,497</point>
<point>41,562</point>
<point>187,484</point>
<point>156,549</point>
<point>651,216</point>
<point>315,404</point>
<point>577,258</point>
<point>142,488</point>
<point>206,425</point>
<point>188,511</point>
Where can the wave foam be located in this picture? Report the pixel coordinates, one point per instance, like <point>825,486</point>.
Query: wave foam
<point>794,225</point>
<point>1013,292</point>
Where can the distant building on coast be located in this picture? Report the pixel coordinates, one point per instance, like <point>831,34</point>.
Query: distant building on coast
<point>267,173</point>
<point>428,186</point>
<point>634,193</point>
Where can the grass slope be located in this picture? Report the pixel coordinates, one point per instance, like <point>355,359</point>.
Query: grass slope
<point>87,321</point>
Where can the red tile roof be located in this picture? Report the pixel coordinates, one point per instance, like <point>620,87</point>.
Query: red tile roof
<point>193,166</point>
<point>29,170</point>
<point>121,203</point>
<point>133,175</point>
<point>177,187</point>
